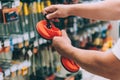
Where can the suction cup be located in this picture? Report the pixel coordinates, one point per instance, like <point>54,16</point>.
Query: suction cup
<point>45,32</point>
<point>69,65</point>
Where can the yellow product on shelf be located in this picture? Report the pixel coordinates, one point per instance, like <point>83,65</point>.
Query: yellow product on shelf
<point>109,41</point>
<point>25,7</point>
<point>58,68</point>
<point>13,70</point>
<point>24,70</point>
<point>13,74</point>
<point>98,42</point>
<point>42,5</point>
<point>48,2</point>
<point>20,8</point>
<point>26,43</point>
<point>105,47</point>
<point>108,44</point>
<point>34,8</point>
<point>39,9</point>
<point>20,45</point>
<point>19,72</point>
<point>35,50</point>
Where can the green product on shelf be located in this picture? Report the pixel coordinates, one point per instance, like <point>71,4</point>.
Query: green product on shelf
<point>39,9</point>
<point>33,15</point>
<point>26,16</point>
<point>51,67</point>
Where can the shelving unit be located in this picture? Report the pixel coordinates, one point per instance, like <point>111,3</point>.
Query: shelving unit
<point>24,55</point>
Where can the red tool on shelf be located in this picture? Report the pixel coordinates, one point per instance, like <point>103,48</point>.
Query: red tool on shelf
<point>48,30</point>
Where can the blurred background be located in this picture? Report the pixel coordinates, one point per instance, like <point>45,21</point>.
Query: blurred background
<point>25,55</point>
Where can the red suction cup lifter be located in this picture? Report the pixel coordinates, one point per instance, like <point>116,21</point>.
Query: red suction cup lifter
<point>69,64</point>
<point>48,30</point>
<point>45,32</point>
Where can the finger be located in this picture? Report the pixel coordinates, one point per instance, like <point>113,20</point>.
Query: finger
<point>50,9</point>
<point>52,15</point>
<point>44,12</point>
<point>55,40</point>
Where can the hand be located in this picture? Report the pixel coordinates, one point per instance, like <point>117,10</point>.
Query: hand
<point>62,44</point>
<point>57,11</point>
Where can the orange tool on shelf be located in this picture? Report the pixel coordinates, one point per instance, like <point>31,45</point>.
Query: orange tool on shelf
<point>48,30</point>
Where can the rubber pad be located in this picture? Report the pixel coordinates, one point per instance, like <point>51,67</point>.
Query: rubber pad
<point>69,65</point>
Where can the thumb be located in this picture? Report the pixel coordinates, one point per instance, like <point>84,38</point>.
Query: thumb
<point>64,34</point>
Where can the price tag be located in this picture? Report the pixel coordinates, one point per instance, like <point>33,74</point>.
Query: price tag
<point>6,43</point>
<point>7,72</point>
<point>71,29</point>
<point>96,29</point>
<point>26,21</point>
<point>40,41</point>
<point>17,2</point>
<point>13,5</point>
<point>30,53</point>
<point>23,51</point>
<point>24,63</point>
<point>32,34</point>
<point>20,40</point>
<point>92,31</point>
<point>44,41</point>
<point>20,66</point>
<point>0,5</point>
<point>81,39</point>
<point>13,68</point>
<point>15,41</point>
<point>35,43</point>
<point>100,27</point>
<point>85,35</point>
<point>24,68</point>
<point>89,31</point>
<point>1,76</point>
<point>28,63</point>
<point>26,36</point>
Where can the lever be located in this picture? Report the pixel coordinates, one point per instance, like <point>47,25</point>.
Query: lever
<point>48,22</point>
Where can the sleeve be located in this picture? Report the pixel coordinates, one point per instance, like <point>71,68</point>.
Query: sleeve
<point>116,49</point>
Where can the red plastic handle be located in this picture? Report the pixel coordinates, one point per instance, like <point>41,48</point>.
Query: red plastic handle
<point>49,33</point>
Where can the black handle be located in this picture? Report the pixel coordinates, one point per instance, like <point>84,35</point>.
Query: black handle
<point>48,22</point>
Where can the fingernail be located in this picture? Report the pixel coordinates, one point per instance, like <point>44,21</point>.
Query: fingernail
<point>47,16</point>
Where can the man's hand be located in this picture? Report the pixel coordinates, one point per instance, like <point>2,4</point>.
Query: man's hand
<point>57,11</point>
<point>62,43</point>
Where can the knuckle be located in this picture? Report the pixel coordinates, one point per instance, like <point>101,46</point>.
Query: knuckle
<point>53,6</point>
<point>58,14</point>
<point>56,40</point>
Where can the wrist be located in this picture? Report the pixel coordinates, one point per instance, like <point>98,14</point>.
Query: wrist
<point>70,13</point>
<point>65,50</point>
<point>69,50</point>
<point>71,10</point>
